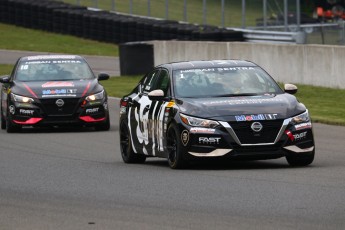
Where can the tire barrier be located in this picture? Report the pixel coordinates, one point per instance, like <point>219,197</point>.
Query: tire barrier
<point>59,17</point>
<point>136,58</point>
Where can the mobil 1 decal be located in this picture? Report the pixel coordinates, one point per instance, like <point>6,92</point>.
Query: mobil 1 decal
<point>147,127</point>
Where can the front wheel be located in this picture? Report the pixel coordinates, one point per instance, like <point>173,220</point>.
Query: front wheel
<point>127,153</point>
<point>176,149</point>
<point>300,160</point>
<point>3,120</point>
<point>11,127</point>
<point>104,126</point>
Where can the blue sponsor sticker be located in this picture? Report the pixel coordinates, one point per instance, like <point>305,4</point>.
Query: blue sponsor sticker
<point>256,117</point>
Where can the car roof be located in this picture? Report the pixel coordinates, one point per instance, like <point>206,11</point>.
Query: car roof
<point>50,57</point>
<point>208,64</point>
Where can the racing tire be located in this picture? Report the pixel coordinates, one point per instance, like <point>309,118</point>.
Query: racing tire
<point>3,120</point>
<point>300,160</point>
<point>176,149</point>
<point>104,126</point>
<point>10,127</point>
<point>127,153</point>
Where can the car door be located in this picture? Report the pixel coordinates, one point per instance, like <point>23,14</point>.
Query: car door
<point>138,114</point>
<point>146,114</point>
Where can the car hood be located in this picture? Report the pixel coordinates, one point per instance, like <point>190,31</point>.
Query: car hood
<point>53,89</point>
<point>236,108</point>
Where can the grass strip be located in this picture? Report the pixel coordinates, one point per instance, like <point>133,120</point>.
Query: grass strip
<point>19,38</point>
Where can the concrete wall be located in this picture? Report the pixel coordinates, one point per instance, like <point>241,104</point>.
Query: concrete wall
<point>319,65</point>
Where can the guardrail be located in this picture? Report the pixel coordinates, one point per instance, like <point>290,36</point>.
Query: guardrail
<point>272,36</point>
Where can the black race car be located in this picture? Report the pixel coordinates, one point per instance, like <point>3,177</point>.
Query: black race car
<point>53,90</point>
<point>223,108</point>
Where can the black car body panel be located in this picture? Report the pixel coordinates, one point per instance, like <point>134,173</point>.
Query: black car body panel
<point>59,90</point>
<point>261,123</point>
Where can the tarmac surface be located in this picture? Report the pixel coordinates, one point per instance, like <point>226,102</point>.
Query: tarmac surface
<point>99,64</point>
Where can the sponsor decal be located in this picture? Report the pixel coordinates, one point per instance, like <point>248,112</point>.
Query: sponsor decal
<point>170,104</point>
<point>303,126</point>
<point>209,140</point>
<point>105,105</point>
<point>256,126</point>
<point>26,112</point>
<point>12,109</point>
<point>58,84</point>
<point>202,130</point>
<point>300,136</point>
<point>40,57</point>
<point>93,110</point>
<point>71,91</point>
<point>54,91</point>
<point>256,117</point>
<point>59,92</point>
<point>122,110</point>
<point>297,136</point>
<point>185,137</point>
<point>243,101</point>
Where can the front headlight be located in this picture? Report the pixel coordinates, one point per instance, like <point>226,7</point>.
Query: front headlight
<point>303,117</point>
<point>22,99</point>
<point>94,97</point>
<point>198,122</point>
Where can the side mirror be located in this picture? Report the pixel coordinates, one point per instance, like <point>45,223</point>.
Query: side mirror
<point>290,88</point>
<point>157,94</point>
<point>5,79</point>
<point>103,76</point>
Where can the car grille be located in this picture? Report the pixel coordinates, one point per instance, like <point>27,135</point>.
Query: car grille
<point>51,109</point>
<point>246,135</point>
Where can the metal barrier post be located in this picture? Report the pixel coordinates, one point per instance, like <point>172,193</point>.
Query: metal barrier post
<point>148,8</point>
<point>285,15</point>
<point>166,9</point>
<point>243,14</point>
<point>185,11</point>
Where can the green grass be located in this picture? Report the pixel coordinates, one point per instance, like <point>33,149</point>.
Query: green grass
<point>232,9</point>
<point>18,38</point>
<point>325,105</point>
<point>120,86</point>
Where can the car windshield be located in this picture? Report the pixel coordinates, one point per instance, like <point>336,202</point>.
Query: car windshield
<point>53,70</point>
<point>223,82</point>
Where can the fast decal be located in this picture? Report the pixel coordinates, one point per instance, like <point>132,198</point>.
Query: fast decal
<point>58,84</point>
<point>300,136</point>
<point>303,126</point>
<point>93,110</point>
<point>202,130</point>
<point>26,112</point>
<point>297,136</point>
<point>150,126</point>
<point>209,140</point>
<point>256,117</point>
<point>185,137</point>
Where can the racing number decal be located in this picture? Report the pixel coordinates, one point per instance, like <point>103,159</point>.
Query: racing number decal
<point>149,117</point>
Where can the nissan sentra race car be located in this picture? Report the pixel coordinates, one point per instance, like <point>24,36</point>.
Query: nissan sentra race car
<point>185,111</point>
<point>53,90</point>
